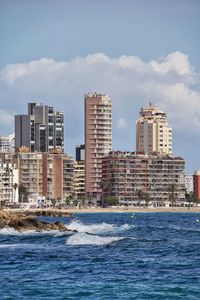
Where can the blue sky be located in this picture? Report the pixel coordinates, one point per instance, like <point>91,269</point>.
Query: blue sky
<point>135,51</point>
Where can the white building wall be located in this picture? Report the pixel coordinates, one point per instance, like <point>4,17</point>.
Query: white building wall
<point>189,183</point>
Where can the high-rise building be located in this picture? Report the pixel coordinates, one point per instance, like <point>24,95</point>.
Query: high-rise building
<point>98,138</point>
<point>197,184</point>
<point>153,133</point>
<point>42,129</point>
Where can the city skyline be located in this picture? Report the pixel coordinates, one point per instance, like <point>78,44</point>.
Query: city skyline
<point>136,53</point>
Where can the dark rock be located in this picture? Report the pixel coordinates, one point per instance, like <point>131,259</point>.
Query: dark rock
<point>48,213</point>
<point>21,222</point>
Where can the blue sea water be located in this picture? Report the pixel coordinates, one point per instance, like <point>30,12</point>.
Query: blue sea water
<point>112,256</point>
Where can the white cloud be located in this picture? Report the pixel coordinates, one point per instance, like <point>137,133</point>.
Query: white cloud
<point>176,61</point>
<point>171,82</point>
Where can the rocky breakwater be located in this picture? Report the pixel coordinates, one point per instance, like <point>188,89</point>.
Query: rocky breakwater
<point>25,221</point>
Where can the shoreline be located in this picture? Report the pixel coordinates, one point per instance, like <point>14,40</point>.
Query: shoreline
<point>114,210</point>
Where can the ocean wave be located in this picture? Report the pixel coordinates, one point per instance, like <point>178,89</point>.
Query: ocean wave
<point>82,238</point>
<point>187,229</point>
<point>97,228</point>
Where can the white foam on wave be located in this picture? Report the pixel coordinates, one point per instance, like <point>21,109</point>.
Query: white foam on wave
<point>97,228</point>
<point>21,245</point>
<point>82,238</point>
<point>12,231</point>
<point>9,231</point>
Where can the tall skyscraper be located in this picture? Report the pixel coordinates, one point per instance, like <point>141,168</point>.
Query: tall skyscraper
<point>42,129</point>
<point>98,138</point>
<point>153,133</point>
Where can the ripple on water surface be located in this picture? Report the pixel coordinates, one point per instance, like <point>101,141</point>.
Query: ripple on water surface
<point>112,256</point>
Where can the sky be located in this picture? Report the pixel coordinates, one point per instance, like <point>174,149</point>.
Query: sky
<point>135,51</point>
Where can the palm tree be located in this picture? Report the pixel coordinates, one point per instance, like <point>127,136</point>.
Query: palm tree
<point>22,193</point>
<point>146,198</point>
<point>89,197</point>
<point>15,186</point>
<point>107,188</point>
<point>191,198</point>
<point>53,201</point>
<point>67,201</point>
<point>172,193</point>
<point>82,199</point>
<point>140,196</point>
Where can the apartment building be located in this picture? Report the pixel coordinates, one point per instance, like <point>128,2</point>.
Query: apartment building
<point>98,139</point>
<point>31,172</point>
<point>42,129</point>
<point>8,182</point>
<point>127,174</point>
<point>153,133</point>
<point>189,183</point>
<point>7,143</point>
<point>46,174</point>
<point>68,176</point>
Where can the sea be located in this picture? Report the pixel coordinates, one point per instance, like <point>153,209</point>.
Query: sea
<point>111,256</point>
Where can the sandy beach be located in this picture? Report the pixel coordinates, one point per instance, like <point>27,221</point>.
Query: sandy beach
<point>135,209</point>
<point>119,210</point>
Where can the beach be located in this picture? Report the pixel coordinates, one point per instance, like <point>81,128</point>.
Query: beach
<point>135,209</point>
<point>117,210</point>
